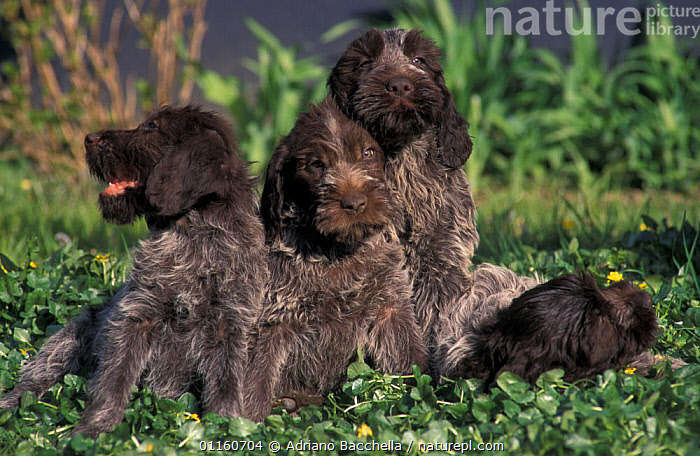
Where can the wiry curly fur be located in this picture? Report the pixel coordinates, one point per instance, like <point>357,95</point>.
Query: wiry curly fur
<point>494,288</point>
<point>185,312</point>
<point>567,323</point>
<point>391,82</point>
<point>337,281</point>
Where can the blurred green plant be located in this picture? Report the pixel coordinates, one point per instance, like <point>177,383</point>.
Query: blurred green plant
<point>596,123</point>
<point>66,80</point>
<point>265,110</point>
<point>629,124</point>
<point>533,114</point>
<point>593,123</point>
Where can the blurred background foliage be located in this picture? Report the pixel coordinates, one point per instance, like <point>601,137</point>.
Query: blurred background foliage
<point>66,80</point>
<point>598,125</point>
<point>554,136</point>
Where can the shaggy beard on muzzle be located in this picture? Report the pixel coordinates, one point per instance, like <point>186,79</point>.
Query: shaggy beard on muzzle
<point>124,208</point>
<point>387,117</point>
<point>112,163</point>
<point>344,227</point>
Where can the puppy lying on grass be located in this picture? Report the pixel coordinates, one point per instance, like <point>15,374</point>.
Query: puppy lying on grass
<point>184,313</point>
<point>337,282</point>
<point>567,323</point>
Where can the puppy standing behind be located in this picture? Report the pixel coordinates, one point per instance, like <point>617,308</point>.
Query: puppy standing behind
<point>566,323</point>
<point>337,282</point>
<point>187,307</point>
<point>391,82</point>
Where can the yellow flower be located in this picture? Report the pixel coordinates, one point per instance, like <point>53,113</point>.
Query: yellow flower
<point>567,224</point>
<point>615,276</point>
<point>3,269</point>
<point>644,227</point>
<point>101,258</point>
<point>32,264</point>
<point>149,447</point>
<point>630,370</point>
<point>192,416</point>
<point>642,286</point>
<point>25,352</point>
<point>364,431</point>
<point>26,185</point>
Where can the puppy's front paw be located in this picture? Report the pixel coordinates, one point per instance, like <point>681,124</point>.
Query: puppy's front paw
<point>292,401</point>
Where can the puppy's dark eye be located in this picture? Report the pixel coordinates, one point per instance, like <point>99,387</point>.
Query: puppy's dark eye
<point>149,126</point>
<point>418,61</point>
<point>317,164</point>
<point>369,153</point>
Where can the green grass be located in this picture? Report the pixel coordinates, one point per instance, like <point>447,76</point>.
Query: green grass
<point>547,216</point>
<point>36,208</point>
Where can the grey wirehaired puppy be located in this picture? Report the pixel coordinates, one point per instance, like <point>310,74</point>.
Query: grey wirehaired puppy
<point>185,311</point>
<point>391,82</point>
<point>337,278</point>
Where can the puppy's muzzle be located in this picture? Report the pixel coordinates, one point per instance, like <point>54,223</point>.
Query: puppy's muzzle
<point>399,87</point>
<point>354,203</point>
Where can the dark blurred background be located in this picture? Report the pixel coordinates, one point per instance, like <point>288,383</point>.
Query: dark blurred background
<point>302,23</point>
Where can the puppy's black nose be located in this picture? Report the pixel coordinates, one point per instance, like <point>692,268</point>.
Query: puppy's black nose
<point>354,204</point>
<point>91,139</point>
<point>399,86</point>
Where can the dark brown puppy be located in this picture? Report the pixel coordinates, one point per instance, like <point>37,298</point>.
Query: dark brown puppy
<point>391,82</point>
<point>194,292</point>
<point>567,323</point>
<point>337,281</point>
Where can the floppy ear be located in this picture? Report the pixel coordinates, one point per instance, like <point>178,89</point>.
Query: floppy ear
<point>212,122</point>
<point>188,172</point>
<point>342,80</point>
<point>272,198</point>
<point>455,145</point>
<point>338,84</point>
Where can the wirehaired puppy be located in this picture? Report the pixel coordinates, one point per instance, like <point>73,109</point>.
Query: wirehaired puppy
<point>185,312</point>
<point>337,279</point>
<point>567,323</point>
<point>391,82</point>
